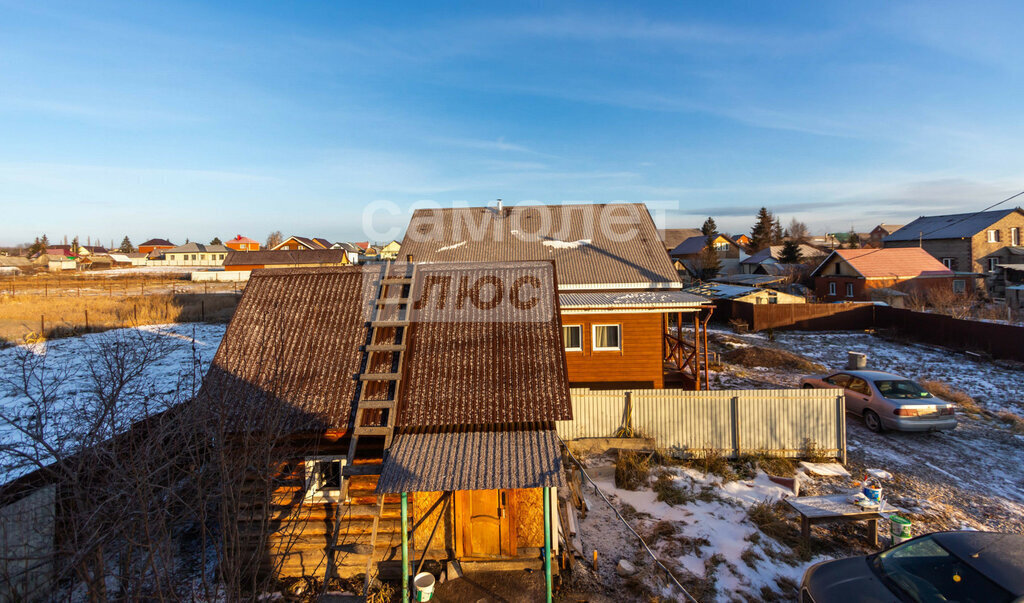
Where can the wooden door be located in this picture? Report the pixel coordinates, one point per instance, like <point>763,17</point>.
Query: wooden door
<point>484,526</point>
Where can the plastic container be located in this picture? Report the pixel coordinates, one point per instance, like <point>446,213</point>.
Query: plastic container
<point>899,529</point>
<point>872,489</point>
<point>424,585</point>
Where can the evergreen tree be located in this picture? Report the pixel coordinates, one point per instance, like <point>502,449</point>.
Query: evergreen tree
<point>853,240</point>
<point>216,241</point>
<point>790,253</point>
<point>74,246</point>
<point>36,247</point>
<point>126,246</point>
<point>45,242</point>
<point>761,233</point>
<point>776,232</point>
<point>708,264</point>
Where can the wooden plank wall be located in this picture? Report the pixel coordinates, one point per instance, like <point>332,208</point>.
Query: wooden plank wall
<point>638,362</point>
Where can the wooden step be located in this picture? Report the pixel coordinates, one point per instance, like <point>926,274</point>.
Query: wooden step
<point>380,376</point>
<point>393,301</point>
<point>396,280</point>
<point>383,324</point>
<point>362,469</point>
<point>384,347</point>
<point>382,431</point>
<point>375,404</point>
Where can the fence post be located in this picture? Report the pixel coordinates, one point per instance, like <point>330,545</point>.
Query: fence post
<point>841,426</point>
<point>736,425</point>
<point>86,320</point>
<point>42,324</point>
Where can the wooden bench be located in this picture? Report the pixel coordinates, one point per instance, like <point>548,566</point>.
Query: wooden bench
<point>821,509</point>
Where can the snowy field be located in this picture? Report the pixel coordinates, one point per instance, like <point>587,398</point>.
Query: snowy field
<point>50,390</point>
<point>972,476</point>
<point>148,270</point>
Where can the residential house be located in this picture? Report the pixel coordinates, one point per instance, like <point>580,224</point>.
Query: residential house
<point>771,255</point>
<point>688,254</point>
<point>389,251</point>
<point>367,251</point>
<point>456,447</point>
<point>353,252</point>
<point>851,274</point>
<point>966,243</point>
<point>195,254</point>
<point>618,289</point>
<point>240,243</point>
<point>86,250</point>
<point>297,243</point>
<point>1012,285</point>
<point>825,241</point>
<point>12,264</point>
<point>881,231</point>
<point>254,260</point>
<point>95,261</point>
<point>121,260</point>
<point>741,239</point>
<point>740,293</point>
<point>155,245</point>
<point>59,251</point>
<point>672,237</point>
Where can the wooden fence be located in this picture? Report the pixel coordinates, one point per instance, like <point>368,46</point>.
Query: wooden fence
<point>995,339</point>
<point>730,422</point>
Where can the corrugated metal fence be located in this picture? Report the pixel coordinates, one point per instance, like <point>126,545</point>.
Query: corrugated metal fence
<point>732,422</point>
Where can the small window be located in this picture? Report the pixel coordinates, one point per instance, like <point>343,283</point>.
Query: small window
<point>993,236</point>
<point>993,263</point>
<point>607,337</point>
<point>832,288</point>
<point>949,262</point>
<point>849,289</point>
<point>573,336</point>
<point>193,257</point>
<point>222,256</point>
<point>1014,236</point>
<point>839,269</point>
<point>323,477</point>
<point>959,286</point>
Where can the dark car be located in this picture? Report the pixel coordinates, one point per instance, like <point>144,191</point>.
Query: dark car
<point>967,567</point>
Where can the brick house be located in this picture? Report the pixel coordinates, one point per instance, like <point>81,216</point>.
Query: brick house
<point>240,243</point>
<point>155,244</point>
<point>851,274</point>
<point>965,243</point>
<point>880,232</point>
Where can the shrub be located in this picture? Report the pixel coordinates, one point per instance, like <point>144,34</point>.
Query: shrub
<point>951,394</point>
<point>815,453</point>
<point>631,470</point>
<point>669,492</point>
<point>1012,419</point>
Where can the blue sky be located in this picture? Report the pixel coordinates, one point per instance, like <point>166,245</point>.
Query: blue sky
<point>210,119</point>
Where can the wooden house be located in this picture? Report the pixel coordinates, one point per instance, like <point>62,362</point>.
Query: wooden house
<point>610,260</point>
<point>389,251</point>
<point>254,260</point>
<point>689,254</point>
<point>416,418</point>
<point>297,243</point>
<point>672,237</point>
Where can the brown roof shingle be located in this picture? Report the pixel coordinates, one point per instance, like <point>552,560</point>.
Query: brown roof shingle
<point>285,257</point>
<point>597,247</point>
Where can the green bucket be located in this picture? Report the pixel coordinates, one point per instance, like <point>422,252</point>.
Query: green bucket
<point>899,529</point>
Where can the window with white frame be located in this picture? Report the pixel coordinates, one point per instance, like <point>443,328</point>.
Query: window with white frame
<point>573,336</point>
<point>1014,236</point>
<point>832,288</point>
<point>993,236</point>
<point>607,337</point>
<point>323,477</point>
<point>959,286</point>
<point>722,246</point>
<point>949,262</point>
<point>849,289</point>
<point>993,263</point>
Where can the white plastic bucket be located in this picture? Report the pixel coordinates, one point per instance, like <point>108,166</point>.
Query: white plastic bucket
<point>899,529</point>
<point>424,584</point>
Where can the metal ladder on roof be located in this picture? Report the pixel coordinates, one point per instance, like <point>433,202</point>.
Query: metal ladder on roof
<point>389,311</point>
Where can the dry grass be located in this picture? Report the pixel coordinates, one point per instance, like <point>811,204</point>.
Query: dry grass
<point>712,461</point>
<point>747,465</point>
<point>815,453</point>
<point>770,518</point>
<point>30,317</point>
<point>951,394</point>
<point>753,356</point>
<point>631,470</point>
<point>1012,419</point>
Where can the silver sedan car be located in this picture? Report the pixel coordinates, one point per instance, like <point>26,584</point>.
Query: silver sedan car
<point>887,401</point>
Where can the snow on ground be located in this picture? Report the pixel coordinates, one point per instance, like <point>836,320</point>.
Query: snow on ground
<point>70,370</point>
<point>971,476</point>
<point>713,538</point>
<point>149,270</point>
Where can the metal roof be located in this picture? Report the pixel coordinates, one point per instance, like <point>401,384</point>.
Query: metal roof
<point>292,351</point>
<point>634,300</point>
<point>472,460</point>
<point>952,226</point>
<point>720,291</point>
<point>775,251</point>
<point>753,280</point>
<point>602,246</point>
<point>197,248</point>
<point>270,257</point>
<point>895,262</point>
<point>674,236</point>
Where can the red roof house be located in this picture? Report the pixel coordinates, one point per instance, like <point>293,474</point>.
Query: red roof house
<point>850,274</point>
<point>240,243</point>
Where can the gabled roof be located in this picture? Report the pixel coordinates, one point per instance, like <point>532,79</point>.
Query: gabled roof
<point>241,239</point>
<point>603,246</point>
<point>270,257</point>
<point>157,243</point>
<point>672,237</point>
<point>194,247</point>
<point>695,245</point>
<point>349,247</point>
<point>894,262</point>
<point>775,251</point>
<point>952,226</point>
<point>323,242</point>
<point>292,352</point>
<point>721,291</point>
<point>890,228</point>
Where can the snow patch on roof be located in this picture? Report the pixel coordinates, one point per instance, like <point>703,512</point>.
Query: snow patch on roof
<point>567,244</point>
<point>450,247</point>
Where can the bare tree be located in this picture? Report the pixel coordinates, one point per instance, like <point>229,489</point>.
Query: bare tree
<point>274,239</point>
<point>797,231</point>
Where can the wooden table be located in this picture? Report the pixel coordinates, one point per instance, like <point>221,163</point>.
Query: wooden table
<point>821,509</point>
